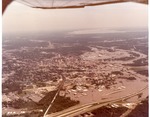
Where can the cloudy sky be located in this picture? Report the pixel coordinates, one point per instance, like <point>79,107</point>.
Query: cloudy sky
<point>21,18</point>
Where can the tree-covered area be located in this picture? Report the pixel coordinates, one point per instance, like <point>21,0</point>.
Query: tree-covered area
<point>143,72</point>
<point>60,103</point>
<point>109,112</point>
<point>141,110</point>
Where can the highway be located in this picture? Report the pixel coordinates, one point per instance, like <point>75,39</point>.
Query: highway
<point>80,109</point>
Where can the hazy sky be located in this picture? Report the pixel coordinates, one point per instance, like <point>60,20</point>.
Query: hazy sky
<point>21,18</point>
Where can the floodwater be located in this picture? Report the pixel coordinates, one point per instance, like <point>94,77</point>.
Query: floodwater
<point>119,90</point>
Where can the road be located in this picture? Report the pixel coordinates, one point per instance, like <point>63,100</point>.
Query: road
<point>80,109</point>
<point>59,88</point>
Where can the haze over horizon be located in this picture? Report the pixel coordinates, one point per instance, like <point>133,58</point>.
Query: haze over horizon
<point>19,18</point>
